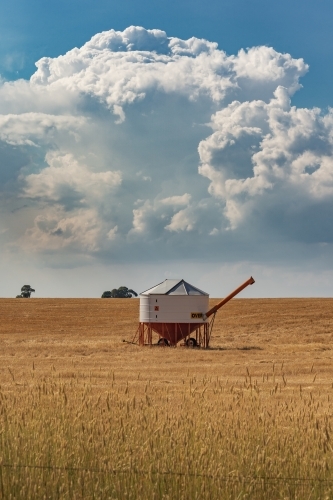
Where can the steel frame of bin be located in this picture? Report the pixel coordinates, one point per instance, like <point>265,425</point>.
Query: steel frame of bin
<point>145,332</point>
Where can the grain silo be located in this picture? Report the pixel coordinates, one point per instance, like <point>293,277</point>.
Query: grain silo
<point>176,310</point>
<point>173,309</point>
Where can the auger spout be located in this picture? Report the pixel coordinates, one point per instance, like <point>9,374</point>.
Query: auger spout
<point>214,309</point>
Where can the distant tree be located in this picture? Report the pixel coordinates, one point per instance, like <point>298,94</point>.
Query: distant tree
<point>26,292</point>
<point>119,293</point>
<point>123,293</point>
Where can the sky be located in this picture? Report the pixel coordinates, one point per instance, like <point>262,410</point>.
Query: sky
<point>153,140</point>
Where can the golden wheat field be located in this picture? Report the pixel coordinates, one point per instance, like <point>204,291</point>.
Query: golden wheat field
<point>84,415</point>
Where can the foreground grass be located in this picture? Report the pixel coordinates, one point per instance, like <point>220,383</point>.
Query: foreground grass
<point>85,416</point>
<point>209,439</point>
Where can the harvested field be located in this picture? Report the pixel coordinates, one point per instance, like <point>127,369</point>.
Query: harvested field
<point>89,332</point>
<point>84,415</point>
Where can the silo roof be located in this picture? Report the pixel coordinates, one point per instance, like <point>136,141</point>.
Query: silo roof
<point>174,287</point>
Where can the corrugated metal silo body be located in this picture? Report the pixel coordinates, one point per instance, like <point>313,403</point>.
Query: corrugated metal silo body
<point>173,309</point>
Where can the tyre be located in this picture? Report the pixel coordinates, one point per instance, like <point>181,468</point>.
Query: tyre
<point>191,342</point>
<point>163,342</point>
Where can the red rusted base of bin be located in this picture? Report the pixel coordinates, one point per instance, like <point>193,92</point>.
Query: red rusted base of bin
<point>173,333</point>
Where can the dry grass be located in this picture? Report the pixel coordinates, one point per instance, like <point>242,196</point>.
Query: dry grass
<point>249,418</point>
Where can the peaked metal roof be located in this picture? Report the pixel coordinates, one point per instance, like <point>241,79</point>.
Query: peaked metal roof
<point>173,287</point>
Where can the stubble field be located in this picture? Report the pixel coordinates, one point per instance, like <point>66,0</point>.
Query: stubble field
<point>85,415</point>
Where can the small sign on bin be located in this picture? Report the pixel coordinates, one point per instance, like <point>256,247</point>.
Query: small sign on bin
<point>196,315</point>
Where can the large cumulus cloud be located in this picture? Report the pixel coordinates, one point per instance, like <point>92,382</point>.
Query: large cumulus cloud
<point>273,162</point>
<point>139,145</point>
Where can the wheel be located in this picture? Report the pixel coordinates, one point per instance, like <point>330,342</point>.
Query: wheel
<point>191,342</point>
<point>163,342</point>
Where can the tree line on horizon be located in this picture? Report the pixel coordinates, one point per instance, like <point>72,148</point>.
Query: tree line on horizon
<point>119,293</point>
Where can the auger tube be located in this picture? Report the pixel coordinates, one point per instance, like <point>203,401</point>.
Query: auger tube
<point>214,309</point>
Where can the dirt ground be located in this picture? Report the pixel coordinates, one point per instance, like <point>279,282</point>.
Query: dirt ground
<point>290,339</point>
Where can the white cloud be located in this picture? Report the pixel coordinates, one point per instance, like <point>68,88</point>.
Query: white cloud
<point>120,68</point>
<point>177,200</point>
<point>153,217</point>
<point>33,128</point>
<point>104,145</point>
<point>118,111</point>
<point>112,234</point>
<point>183,220</point>
<point>65,175</point>
<point>268,152</point>
<point>56,230</point>
<point>265,64</point>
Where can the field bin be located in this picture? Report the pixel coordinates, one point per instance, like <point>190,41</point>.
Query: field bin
<point>174,310</point>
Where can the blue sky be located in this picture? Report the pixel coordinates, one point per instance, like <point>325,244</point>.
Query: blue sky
<point>152,153</point>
